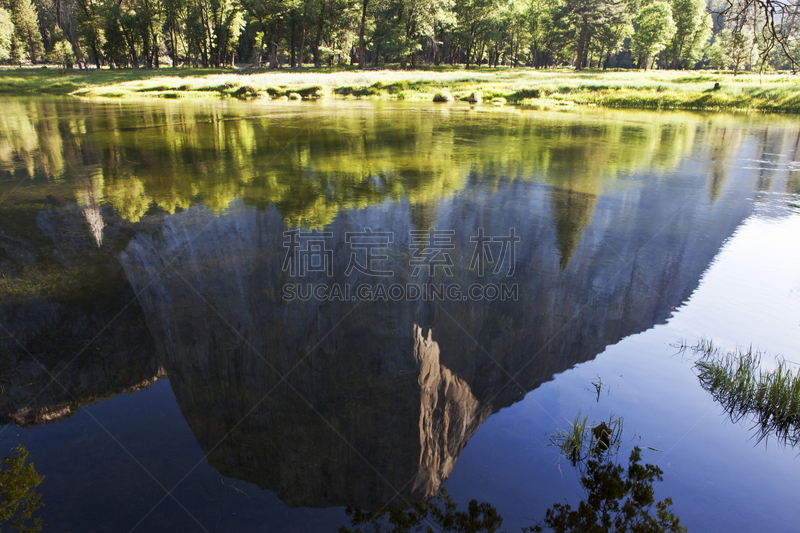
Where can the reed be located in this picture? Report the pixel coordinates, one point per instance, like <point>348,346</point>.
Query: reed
<point>583,440</point>
<point>738,381</point>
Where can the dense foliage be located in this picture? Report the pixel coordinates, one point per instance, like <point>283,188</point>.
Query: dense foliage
<point>736,34</point>
<point>18,497</point>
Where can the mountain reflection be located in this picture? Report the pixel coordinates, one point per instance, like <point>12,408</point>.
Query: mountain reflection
<point>183,211</point>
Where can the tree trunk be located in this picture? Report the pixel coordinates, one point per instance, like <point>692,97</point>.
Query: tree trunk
<point>294,25</point>
<point>362,45</point>
<point>174,40</point>
<point>470,43</point>
<point>273,56</point>
<point>318,38</point>
<point>583,45</point>
<point>302,36</point>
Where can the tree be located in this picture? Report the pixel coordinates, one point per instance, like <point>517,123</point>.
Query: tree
<point>174,15</point>
<point>654,29</point>
<point>212,30</point>
<point>776,22</point>
<point>612,35</point>
<point>27,40</point>
<point>544,42</point>
<point>90,27</point>
<point>61,54</point>
<point>692,31</point>
<point>590,18</point>
<point>6,34</point>
<point>116,47</point>
<point>734,50</point>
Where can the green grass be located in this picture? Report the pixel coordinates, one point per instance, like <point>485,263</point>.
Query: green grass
<point>691,90</point>
<point>442,97</point>
<point>50,81</point>
<point>583,440</point>
<point>737,380</point>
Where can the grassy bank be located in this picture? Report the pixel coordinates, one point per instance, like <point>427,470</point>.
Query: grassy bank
<point>704,90</point>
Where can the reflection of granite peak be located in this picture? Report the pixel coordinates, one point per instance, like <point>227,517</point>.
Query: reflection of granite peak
<point>449,416</point>
<point>373,401</point>
<point>363,413</point>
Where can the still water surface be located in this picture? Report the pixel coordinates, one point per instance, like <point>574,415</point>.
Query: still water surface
<point>163,377</point>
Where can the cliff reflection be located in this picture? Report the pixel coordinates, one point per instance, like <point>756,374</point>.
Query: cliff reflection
<point>183,210</point>
<point>349,402</point>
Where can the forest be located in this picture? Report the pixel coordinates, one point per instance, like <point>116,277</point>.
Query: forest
<point>738,35</point>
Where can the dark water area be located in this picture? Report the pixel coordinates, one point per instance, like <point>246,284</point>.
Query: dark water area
<point>250,316</point>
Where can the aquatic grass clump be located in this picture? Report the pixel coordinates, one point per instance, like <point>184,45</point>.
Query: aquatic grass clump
<point>154,88</point>
<point>736,379</point>
<point>443,97</point>
<point>583,440</point>
<point>245,91</point>
<point>357,91</point>
<point>475,98</point>
<point>314,91</point>
<point>524,94</point>
<point>393,88</point>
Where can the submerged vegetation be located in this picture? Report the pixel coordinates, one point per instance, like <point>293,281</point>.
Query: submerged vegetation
<point>770,397</point>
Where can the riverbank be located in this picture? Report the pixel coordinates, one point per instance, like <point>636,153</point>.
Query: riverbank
<point>697,90</point>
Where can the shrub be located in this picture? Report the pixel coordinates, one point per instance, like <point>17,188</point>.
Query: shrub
<point>443,97</point>
<point>245,91</point>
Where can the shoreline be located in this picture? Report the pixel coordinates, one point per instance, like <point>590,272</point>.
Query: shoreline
<point>546,89</point>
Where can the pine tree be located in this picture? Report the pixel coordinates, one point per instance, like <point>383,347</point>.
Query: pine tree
<point>27,40</point>
<point>6,34</point>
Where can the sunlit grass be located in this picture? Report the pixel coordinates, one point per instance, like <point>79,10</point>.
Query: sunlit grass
<point>539,88</point>
<point>737,380</point>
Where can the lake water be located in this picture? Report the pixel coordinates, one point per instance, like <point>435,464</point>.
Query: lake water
<point>226,316</point>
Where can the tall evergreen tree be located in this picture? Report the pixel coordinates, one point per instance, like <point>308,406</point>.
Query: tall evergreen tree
<point>6,34</point>
<point>27,40</point>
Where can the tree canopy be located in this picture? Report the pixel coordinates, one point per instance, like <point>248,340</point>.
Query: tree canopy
<point>405,33</point>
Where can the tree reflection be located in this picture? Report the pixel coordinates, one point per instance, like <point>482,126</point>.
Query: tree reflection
<point>438,514</point>
<point>617,498</point>
<point>169,158</point>
<point>18,497</point>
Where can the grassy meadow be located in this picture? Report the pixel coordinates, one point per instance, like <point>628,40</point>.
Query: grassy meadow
<point>550,88</point>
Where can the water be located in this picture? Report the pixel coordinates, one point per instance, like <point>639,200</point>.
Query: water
<point>163,377</point>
